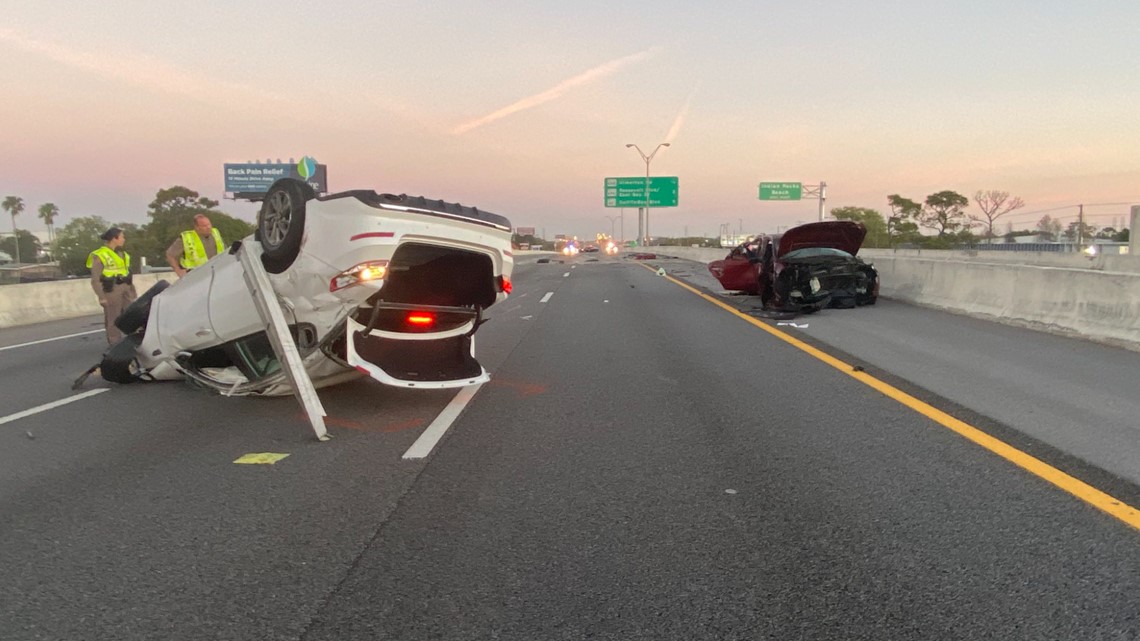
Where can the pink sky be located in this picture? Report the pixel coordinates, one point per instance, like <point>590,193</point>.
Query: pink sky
<point>525,112</point>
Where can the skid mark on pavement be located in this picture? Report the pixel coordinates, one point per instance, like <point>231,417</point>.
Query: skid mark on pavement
<point>373,427</point>
<point>523,389</point>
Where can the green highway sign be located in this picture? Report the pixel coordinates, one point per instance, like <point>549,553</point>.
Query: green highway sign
<point>781,191</point>
<point>630,191</point>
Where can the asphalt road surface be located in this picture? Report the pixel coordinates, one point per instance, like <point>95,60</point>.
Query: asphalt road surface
<point>645,464</point>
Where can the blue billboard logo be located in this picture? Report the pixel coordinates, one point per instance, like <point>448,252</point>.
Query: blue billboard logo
<point>307,167</point>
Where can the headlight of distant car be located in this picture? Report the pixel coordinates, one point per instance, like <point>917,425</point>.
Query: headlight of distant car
<point>362,273</point>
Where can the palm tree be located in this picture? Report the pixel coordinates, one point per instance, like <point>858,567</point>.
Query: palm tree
<point>14,205</point>
<point>48,212</point>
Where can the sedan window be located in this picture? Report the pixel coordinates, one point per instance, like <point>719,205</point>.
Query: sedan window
<point>257,356</point>
<point>817,252</point>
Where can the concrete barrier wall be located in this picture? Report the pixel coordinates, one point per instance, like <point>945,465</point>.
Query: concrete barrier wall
<point>30,303</point>
<point>1099,304</point>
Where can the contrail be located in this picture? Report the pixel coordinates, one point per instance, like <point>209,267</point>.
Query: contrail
<point>679,121</point>
<point>597,73</point>
<point>140,71</point>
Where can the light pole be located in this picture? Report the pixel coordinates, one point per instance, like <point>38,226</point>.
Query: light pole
<point>612,219</point>
<point>643,236</point>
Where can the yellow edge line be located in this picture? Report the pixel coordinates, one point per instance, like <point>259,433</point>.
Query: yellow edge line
<point>1074,486</point>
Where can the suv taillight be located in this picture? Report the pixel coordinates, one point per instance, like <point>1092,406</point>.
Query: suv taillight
<point>362,273</point>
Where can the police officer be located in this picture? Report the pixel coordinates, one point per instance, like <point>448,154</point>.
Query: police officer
<point>111,279</point>
<point>195,246</point>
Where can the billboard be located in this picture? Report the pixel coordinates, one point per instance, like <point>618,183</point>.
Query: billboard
<point>524,231</point>
<point>252,180</point>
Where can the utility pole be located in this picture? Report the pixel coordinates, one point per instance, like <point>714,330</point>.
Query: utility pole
<point>1080,226</point>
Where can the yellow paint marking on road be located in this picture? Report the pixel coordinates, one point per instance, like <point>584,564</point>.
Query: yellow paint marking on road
<point>1031,464</point>
<point>260,458</point>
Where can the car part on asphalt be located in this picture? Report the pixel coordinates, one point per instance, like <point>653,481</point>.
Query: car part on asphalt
<point>277,329</point>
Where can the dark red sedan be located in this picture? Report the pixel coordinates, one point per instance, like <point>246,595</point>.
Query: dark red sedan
<point>805,269</point>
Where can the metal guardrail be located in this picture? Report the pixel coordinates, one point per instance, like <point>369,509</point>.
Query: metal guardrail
<point>1103,248</point>
<point>1022,247</point>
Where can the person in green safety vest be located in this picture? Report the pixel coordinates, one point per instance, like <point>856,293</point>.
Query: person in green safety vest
<point>111,279</point>
<point>195,246</point>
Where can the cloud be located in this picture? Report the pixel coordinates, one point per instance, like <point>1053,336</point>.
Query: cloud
<point>597,73</point>
<point>137,70</point>
<point>679,121</point>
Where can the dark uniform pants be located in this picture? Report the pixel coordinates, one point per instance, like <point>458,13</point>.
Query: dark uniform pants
<point>117,301</point>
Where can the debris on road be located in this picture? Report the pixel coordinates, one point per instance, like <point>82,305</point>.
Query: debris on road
<point>260,458</point>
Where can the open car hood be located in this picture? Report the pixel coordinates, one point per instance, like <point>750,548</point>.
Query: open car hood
<point>846,235</point>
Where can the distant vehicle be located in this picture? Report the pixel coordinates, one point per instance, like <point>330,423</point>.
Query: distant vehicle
<point>805,269</point>
<point>5,258</point>
<point>570,249</point>
<point>611,248</point>
<point>591,248</point>
<point>379,285</point>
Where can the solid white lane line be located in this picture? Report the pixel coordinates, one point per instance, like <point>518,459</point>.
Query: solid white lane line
<point>44,408</point>
<point>48,340</point>
<point>547,297</point>
<point>426,442</point>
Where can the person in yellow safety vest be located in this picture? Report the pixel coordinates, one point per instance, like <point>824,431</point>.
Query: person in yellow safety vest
<point>111,279</point>
<point>195,246</point>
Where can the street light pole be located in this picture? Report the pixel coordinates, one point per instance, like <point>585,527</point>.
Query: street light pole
<point>612,219</point>
<point>643,236</point>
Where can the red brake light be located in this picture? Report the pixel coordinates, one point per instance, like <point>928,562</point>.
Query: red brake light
<point>421,319</point>
<point>505,284</point>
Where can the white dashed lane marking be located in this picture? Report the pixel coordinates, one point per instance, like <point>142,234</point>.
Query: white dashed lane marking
<point>48,340</point>
<point>54,404</point>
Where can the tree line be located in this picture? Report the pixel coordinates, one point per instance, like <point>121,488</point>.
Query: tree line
<point>945,213</point>
<point>170,213</point>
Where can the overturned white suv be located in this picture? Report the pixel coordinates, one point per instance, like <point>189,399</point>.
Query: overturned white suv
<point>387,286</point>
